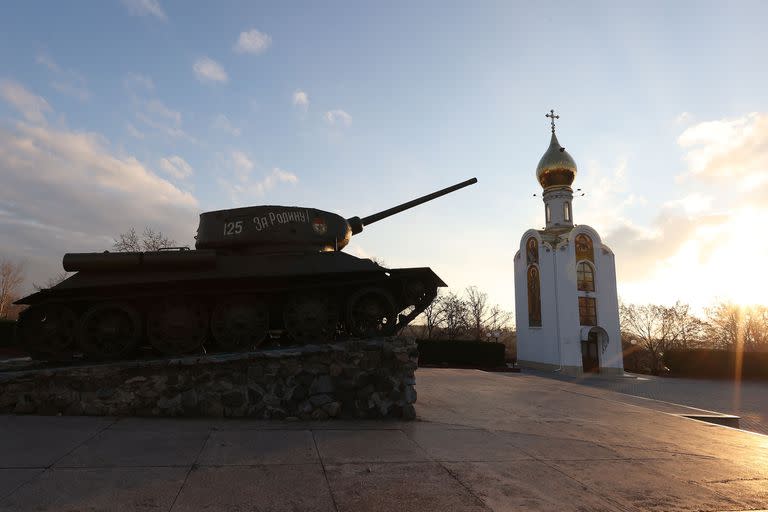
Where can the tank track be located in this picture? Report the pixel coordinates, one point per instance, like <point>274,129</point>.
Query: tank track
<point>115,326</point>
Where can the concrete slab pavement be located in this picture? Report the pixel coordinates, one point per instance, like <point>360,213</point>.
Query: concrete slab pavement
<point>275,488</point>
<point>483,441</point>
<point>746,399</point>
<point>254,447</point>
<point>113,489</point>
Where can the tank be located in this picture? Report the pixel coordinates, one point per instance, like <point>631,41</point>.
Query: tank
<point>257,273</point>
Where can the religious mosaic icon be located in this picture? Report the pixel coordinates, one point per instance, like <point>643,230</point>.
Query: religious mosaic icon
<point>584,249</point>
<point>532,251</point>
<point>534,297</point>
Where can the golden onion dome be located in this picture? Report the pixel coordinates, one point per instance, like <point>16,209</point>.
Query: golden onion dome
<point>556,167</point>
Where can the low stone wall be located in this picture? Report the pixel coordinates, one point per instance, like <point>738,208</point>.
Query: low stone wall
<point>356,378</point>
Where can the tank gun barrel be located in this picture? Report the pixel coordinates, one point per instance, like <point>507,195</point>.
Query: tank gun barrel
<point>357,223</point>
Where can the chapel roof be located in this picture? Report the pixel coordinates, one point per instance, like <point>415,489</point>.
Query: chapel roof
<point>556,167</point>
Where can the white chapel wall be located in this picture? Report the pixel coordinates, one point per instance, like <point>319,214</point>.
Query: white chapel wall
<point>536,344</point>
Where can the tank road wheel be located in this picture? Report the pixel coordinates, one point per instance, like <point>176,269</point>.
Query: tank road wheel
<point>310,318</point>
<point>110,331</point>
<point>371,312</point>
<point>49,331</point>
<point>239,322</point>
<point>177,325</point>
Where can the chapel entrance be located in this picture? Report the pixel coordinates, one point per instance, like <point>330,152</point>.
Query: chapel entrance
<point>589,358</point>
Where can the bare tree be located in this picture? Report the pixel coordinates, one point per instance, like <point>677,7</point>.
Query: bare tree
<point>498,321</point>
<point>52,281</point>
<point>379,261</point>
<point>690,329</point>
<point>756,328</point>
<point>433,316</point>
<point>149,240</point>
<point>734,327</point>
<point>476,304</point>
<point>454,315</point>
<point>724,325</point>
<point>653,326</point>
<point>11,279</point>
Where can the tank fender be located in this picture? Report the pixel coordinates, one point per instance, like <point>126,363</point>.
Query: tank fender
<point>165,260</point>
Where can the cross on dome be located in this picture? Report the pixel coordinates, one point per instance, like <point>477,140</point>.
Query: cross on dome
<point>552,116</point>
<point>556,168</point>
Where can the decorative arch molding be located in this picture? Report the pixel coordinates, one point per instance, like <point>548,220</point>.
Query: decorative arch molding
<point>524,239</point>
<point>602,335</point>
<point>597,242</point>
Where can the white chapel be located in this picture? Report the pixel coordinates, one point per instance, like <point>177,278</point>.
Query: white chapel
<point>566,305</point>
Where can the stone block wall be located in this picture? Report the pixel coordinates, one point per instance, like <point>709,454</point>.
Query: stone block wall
<point>356,378</point>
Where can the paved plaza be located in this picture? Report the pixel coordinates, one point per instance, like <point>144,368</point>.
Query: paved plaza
<point>483,441</point>
<point>746,399</point>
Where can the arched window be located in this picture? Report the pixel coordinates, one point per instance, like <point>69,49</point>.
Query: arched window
<point>534,297</point>
<point>532,251</point>
<point>585,277</point>
<point>584,249</point>
<point>567,211</point>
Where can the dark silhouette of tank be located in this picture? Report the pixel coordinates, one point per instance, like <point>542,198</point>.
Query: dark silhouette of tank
<point>257,273</point>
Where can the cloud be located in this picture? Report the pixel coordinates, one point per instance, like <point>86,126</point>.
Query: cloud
<point>241,164</point>
<point>176,167</point>
<point>138,82</point>
<point>222,123</point>
<point>244,187</point>
<point>32,107</point>
<point>607,195</point>
<point>208,70</point>
<point>727,148</point>
<point>158,107</point>
<point>337,118</point>
<point>145,8</point>
<point>66,81</point>
<point>69,191</point>
<point>683,117</point>
<point>151,111</point>
<point>133,131</point>
<point>158,116</point>
<point>301,99</point>
<point>252,41</point>
<point>688,247</point>
<point>694,203</point>
<point>280,176</point>
<point>643,249</point>
<point>249,188</point>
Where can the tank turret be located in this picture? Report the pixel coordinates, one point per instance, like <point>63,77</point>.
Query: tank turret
<point>290,228</point>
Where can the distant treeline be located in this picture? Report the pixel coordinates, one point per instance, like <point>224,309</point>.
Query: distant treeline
<point>658,338</point>
<point>713,363</point>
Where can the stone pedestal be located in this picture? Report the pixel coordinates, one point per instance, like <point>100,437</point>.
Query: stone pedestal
<point>357,378</point>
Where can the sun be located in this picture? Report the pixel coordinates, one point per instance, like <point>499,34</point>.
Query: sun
<point>722,260</point>
<point>734,265</point>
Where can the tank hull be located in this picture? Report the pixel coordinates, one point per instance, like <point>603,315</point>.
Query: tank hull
<point>191,301</point>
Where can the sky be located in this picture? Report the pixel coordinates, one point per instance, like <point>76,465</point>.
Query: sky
<point>135,113</point>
